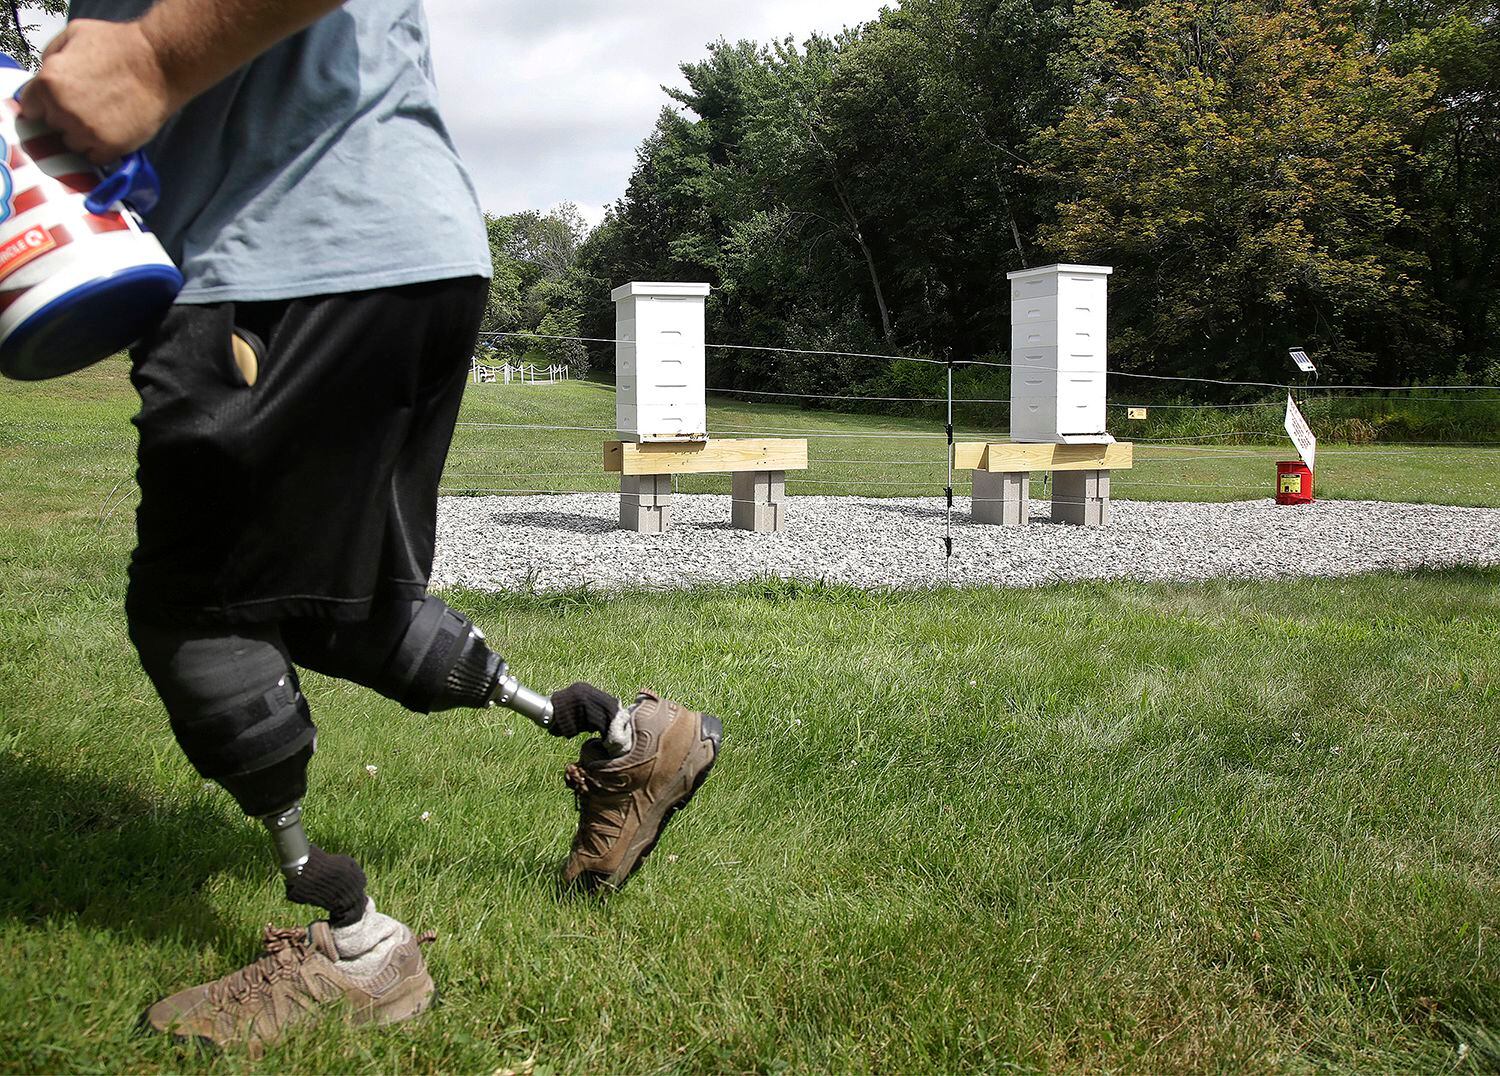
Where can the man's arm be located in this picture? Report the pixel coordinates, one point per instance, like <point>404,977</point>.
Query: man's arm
<point>107,87</point>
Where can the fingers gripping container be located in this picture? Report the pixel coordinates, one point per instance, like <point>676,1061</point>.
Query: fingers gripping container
<point>80,275</point>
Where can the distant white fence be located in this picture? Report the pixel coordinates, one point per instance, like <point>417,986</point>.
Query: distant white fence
<point>523,374</point>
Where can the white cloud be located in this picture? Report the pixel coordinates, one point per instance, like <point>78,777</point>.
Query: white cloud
<point>547,102</point>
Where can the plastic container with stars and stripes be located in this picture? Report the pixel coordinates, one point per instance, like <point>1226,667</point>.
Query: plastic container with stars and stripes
<point>80,276</point>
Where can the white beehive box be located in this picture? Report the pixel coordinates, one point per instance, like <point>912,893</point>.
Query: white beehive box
<point>659,387</point>
<point>1059,348</point>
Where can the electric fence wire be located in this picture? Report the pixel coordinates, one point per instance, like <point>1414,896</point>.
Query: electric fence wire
<point>1281,386</point>
<point>857,434</point>
<point>1206,453</point>
<point>1269,404</point>
<point>1120,405</point>
<point>1165,442</point>
<point>831,396</point>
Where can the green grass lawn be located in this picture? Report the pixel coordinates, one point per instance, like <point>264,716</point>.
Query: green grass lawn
<point>1117,826</point>
<point>84,420</point>
<point>877,457</point>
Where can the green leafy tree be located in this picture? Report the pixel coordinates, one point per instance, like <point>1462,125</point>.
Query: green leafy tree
<point>1261,174</point>
<point>535,286</point>
<point>502,311</point>
<point>17,31</point>
<point>863,192</point>
<point>1237,164</point>
<point>1453,185</point>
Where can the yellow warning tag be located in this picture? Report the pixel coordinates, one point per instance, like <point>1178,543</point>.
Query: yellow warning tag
<point>1138,413</point>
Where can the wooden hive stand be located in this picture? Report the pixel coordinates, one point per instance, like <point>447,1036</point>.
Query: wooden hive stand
<point>758,467</point>
<point>1080,479</point>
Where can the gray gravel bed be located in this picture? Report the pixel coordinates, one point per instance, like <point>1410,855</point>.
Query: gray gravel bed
<point>558,542</point>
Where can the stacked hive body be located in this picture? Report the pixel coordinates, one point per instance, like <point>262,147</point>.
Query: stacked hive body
<point>659,384</point>
<point>661,412</point>
<point>1059,359</point>
<point>1059,354</point>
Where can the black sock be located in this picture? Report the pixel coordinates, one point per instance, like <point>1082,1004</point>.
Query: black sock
<point>334,883</point>
<point>582,708</point>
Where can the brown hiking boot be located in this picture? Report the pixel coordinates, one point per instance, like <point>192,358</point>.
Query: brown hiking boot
<point>299,976</point>
<point>624,803</point>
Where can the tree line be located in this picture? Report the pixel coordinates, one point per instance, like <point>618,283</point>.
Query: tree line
<point>1261,175</point>
<point>538,292</point>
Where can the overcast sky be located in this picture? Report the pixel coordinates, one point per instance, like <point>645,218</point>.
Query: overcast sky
<point>548,101</point>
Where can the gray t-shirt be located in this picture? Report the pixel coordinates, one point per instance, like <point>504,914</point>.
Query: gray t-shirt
<point>320,167</point>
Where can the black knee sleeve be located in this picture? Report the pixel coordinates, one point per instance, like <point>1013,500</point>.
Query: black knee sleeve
<point>333,883</point>
<point>235,708</point>
<point>442,662</point>
<point>421,654</point>
<point>272,788</point>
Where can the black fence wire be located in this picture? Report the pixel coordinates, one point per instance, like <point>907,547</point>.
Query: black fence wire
<point>945,478</point>
<point>1283,386</point>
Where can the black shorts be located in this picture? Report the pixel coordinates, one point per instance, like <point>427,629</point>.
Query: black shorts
<point>312,493</point>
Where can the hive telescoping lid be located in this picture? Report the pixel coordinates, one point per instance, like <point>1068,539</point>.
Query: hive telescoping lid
<point>80,275</point>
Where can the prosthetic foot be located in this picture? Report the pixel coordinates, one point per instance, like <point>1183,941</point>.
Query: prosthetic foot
<point>360,963</point>
<point>300,979</point>
<point>625,801</point>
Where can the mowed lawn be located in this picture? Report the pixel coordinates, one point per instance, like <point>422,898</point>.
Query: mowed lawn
<point>1103,827</point>
<point>871,456</point>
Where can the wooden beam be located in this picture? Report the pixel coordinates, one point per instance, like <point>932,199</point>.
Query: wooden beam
<point>969,455</point>
<point>705,457</point>
<point>1007,458</point>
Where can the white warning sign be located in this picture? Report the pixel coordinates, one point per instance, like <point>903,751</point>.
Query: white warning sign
<point>1301,435</point>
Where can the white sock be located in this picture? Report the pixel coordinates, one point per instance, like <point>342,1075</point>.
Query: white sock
<point>365,946</point>
<point>620,738</point>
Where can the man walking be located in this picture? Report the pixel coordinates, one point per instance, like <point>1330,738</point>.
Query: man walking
<point>297,404</point>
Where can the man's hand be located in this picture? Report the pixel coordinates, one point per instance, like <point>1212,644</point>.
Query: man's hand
<point>103,88</point>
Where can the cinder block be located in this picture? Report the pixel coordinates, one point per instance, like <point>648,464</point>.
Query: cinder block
<point>1003,500</point>
<point>1080,498</point>
<point>647,490</point>
<point>646,503</point>
<point>765,518</point>
<point>645,519</point>
<point>759,487</point>
<point>746,486</point>
<point>759,500</point>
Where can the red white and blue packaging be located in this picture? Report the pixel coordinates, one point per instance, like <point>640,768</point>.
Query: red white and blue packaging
<point>80,275</point>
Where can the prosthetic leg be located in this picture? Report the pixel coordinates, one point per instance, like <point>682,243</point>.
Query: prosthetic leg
<point>238,712</point>
<point>439,661</point>
<point>360,962</point>
<point>336,883</point>
<point>429,658</point>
